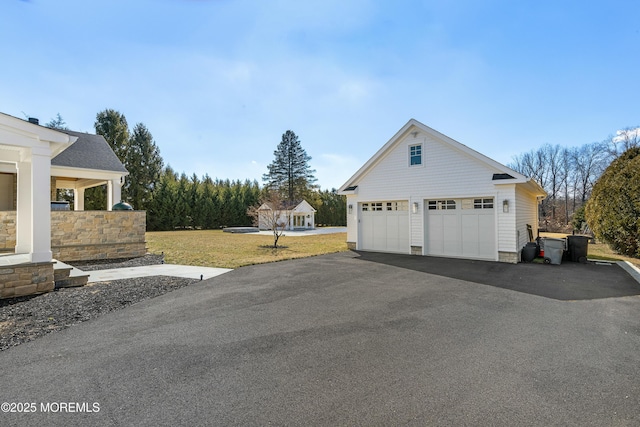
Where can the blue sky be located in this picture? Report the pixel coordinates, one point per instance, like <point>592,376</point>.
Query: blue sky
<point>218,82</point>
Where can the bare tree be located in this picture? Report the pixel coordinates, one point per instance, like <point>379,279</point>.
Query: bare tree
<point>622,141</point>
<point>589,161</point>
<point>270,213</point>
<point>552,155</point>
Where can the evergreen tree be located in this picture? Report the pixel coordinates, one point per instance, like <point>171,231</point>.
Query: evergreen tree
<point>210,210</point>
<point>143,161</point>
<point>161,212</point>
<point>290,173</point>
<point>112,125</point>
<point>197,213</point>
<point>613,211</point>
<point>95,198</point>
<point>57,123</point>
<point>182,208</point>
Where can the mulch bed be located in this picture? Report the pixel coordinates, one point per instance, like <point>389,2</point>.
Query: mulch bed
<point>27,318</point>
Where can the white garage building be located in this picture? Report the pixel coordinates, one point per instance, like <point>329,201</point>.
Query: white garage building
<point>424,193</point>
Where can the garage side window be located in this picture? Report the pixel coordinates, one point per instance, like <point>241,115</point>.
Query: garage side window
<point>415,155</point>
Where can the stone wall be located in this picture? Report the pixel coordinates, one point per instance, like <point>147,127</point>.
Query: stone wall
<point>26,279</point>
<point>90,235</point>
<point>86,235</point>
<point>7,231</point>
<point>510,257</point>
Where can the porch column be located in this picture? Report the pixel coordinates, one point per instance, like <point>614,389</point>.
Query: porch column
<point>33,228</point>
<point>78,199</point>
<point>114,193</point>
<point>23,208</point>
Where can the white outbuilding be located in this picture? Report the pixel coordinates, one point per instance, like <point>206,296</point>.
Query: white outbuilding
<point>295,216</point>
<point>424,193</point>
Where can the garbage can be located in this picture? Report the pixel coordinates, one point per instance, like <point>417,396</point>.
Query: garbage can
<point>578,248</point>
<point>529,252</point>
<point>553,249</point>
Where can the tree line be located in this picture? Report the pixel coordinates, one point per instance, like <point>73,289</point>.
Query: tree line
<point>568,175</point>
<point>182,202</point>
<point>177,201</point>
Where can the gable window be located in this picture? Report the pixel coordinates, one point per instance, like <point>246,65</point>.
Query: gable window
<point>415,155</point>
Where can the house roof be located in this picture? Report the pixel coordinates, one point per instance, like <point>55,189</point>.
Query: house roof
<point>89,152</point>
<point>301,206</point>
<point>17,134</point>
<point>505,173</point>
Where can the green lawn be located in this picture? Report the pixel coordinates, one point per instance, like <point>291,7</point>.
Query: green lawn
<point>214,248</point>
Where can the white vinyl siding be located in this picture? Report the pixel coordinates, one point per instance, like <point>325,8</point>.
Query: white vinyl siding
<point>449,171</point>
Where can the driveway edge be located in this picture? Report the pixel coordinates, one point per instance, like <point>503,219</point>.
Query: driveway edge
<point>631,269</point>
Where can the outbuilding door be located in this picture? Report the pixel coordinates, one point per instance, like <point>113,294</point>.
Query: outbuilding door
<point>462,228</point>
<point>384,226</point>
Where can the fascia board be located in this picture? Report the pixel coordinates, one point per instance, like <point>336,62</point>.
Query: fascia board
<point>69,172</point>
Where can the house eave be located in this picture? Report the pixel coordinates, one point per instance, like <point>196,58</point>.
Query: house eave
<point>71,172</point>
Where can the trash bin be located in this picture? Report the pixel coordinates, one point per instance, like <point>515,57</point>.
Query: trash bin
<point>578,248</point>
<point>553,249</point>
<point>529,252</point>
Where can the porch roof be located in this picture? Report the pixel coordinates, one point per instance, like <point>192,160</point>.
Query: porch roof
<point>89,152</point>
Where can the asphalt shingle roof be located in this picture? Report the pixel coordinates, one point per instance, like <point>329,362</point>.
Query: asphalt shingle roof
<point>89,152</point>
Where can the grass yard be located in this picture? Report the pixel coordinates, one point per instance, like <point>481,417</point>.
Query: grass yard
<point>214,248</point>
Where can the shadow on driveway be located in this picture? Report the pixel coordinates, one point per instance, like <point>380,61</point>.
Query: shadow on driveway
<point>568,281</point>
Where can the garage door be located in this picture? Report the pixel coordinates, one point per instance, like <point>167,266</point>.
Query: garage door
<point>462,228</point>
<point>384,226</point>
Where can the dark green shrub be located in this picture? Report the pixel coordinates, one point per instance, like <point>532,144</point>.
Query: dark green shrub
<point>578,218</point>
<point>613,211</point>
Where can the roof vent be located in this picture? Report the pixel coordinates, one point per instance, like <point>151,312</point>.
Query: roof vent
<point>34,120</point>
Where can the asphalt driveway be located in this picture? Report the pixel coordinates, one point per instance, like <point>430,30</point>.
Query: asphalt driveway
<point>341,339</point>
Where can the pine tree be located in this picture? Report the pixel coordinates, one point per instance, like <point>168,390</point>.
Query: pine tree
<point>112,125</point>
<point>143,161</point>
<point>57,123</point>
<point>290,173</point>
<point>161,214</point>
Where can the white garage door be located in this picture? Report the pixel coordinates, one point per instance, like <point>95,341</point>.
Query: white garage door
<point>384,226</point>
<point>462,228</point>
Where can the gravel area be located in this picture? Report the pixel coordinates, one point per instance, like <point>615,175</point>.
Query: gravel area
<point>27,318</point>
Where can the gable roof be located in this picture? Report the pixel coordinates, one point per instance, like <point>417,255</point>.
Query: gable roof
<point>514,177</point>
<point>89,152</point>
<point>300,206</point>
